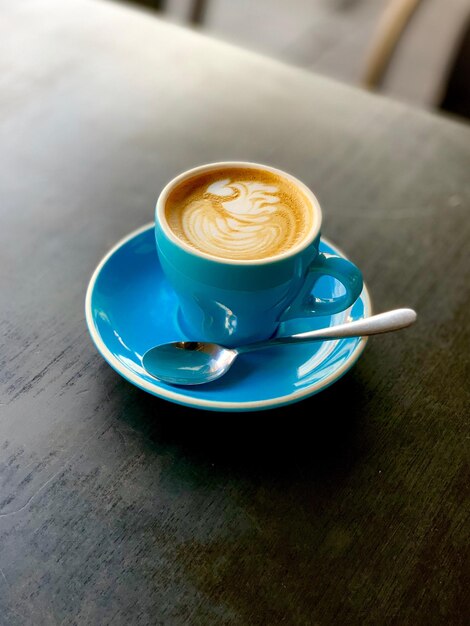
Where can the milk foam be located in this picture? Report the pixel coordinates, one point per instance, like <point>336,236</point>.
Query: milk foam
<point>236,217</point>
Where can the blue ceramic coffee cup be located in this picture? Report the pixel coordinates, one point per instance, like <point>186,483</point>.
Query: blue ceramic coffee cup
<point>234,302</point>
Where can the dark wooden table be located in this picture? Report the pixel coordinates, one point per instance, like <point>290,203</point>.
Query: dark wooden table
<point>120,508</point>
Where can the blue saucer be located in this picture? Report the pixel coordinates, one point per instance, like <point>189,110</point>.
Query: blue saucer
<point>130,307</point>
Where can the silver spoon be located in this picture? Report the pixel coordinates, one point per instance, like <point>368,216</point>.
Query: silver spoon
<point>198,362</point>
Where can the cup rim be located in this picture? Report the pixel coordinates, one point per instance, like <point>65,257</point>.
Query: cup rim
<point>162,221</point>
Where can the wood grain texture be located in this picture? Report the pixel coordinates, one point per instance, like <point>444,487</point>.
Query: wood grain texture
<point>119,508</point>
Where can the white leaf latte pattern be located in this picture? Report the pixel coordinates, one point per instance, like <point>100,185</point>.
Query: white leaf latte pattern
<point>237,218</point>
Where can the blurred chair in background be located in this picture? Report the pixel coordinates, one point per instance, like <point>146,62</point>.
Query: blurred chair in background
<point>414,50</point>
<point>390,29</point>
<point>425,34</point>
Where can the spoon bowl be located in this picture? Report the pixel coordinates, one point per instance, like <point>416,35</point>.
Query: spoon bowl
<point>188,362</point>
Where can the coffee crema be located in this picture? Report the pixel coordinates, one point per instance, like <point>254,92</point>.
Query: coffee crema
<point>239,213</point>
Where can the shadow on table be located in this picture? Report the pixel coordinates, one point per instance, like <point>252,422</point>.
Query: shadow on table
<point>320,436</point>
<point>256,498</point>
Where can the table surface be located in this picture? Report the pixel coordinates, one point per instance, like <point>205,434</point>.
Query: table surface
<point>120,508</point>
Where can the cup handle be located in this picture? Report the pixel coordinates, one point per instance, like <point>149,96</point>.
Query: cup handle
<point>307,305</point>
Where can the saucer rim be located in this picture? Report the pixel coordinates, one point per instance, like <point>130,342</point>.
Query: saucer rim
<point>204,404</point>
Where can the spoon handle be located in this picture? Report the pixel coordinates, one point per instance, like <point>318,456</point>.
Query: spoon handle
<point>374,325</point>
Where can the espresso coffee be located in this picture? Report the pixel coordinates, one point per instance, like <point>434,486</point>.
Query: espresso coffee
<point>239,213</point>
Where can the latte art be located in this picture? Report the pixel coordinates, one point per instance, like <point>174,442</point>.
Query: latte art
<point>239,214</point>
